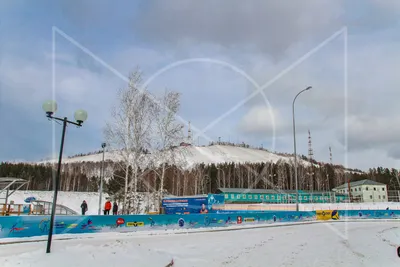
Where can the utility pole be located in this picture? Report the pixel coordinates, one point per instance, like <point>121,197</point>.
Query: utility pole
<point>189,137</point>
<point>103,145</point>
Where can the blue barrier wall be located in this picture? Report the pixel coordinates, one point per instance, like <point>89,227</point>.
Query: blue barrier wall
<point>27,226</point>
<point>370,214</point>
<point>190,205</point>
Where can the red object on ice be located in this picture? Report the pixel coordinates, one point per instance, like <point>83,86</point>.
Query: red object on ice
<point>120,221</point>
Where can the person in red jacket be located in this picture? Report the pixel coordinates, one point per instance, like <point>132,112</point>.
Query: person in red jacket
<point>107,207</point>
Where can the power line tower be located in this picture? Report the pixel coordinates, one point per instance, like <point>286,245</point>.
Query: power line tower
<point>330,155</point>
<point>312,182</point>
<point>189,137</point>
<point>310,150</point>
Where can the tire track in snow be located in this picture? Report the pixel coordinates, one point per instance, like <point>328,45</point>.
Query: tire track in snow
<point>246,251</point>
<point>292,259</point>
<point>388,241</point>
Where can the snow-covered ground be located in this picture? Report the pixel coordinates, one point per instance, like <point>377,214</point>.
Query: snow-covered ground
<point>209,154</point>
<point>371,243</point>
<point>72,200</point>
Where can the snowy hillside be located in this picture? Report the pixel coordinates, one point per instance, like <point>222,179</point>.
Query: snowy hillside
<point>193,155</point>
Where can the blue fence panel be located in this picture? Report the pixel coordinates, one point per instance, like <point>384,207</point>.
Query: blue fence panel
<point>370,214</point>
<point>183,205</point>
<point>27,226</point>
<point>215,199</point>
<point>190,205</point>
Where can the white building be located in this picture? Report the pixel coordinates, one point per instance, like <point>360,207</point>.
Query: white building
<point>364,191</point>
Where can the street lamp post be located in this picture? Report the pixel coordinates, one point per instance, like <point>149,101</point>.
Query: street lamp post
<point>294,145</point>
<point>103,145</point>
<point>50,107</point>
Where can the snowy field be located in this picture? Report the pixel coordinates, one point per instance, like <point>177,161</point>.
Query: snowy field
<point>368,243</point>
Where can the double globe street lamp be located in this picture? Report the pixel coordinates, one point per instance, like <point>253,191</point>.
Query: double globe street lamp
<point>50,107</point>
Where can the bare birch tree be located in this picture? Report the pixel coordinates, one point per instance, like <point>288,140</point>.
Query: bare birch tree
<point>128,133</point>
<point>167,136</point>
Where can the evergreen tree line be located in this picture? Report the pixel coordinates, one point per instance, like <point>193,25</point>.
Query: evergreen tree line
<point>202,179</point>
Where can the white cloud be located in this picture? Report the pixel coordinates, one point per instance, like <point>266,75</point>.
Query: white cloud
<point>260,119</point>
<point>368,132</point>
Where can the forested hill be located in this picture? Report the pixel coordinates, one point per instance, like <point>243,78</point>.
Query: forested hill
<point>200,178</point>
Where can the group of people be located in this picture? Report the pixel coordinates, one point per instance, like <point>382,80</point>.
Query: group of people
<point>107,207</point>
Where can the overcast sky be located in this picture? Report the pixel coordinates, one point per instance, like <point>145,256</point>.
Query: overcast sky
<point>238,65</point>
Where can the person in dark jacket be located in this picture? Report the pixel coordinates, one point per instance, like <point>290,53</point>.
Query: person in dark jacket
<point>115,208</point>
<point>84,207</point>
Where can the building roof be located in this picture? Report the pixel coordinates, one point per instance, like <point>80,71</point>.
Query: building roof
<point>358,183</point>
<point>6,182</point>
<point>11,179</point>
<point>265,191</point>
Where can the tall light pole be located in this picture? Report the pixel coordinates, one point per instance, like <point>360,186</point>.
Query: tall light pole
<point>50,107</point>
<point>103,145</point>
<point>294,145</point>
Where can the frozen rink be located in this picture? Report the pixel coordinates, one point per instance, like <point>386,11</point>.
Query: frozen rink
<point>369,243</point>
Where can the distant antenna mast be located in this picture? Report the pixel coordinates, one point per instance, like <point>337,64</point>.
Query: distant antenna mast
<point>310,150</point>
<point>189,137</point>
<point>330,155</point>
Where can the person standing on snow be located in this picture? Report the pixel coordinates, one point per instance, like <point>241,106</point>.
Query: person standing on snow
<point>115,208</point>
<point>107,207</point>
<point>84,207</point>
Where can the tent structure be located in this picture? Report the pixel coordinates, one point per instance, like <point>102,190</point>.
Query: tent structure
<point>9,185</point>
<point>40,207</point>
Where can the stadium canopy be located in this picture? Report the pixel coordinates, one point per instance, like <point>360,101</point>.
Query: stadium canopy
<point>9,185</point>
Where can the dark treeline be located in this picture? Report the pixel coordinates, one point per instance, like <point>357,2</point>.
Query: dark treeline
<point>84,177</point>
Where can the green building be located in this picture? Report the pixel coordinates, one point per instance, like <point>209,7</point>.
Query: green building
<point>243,195</point>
